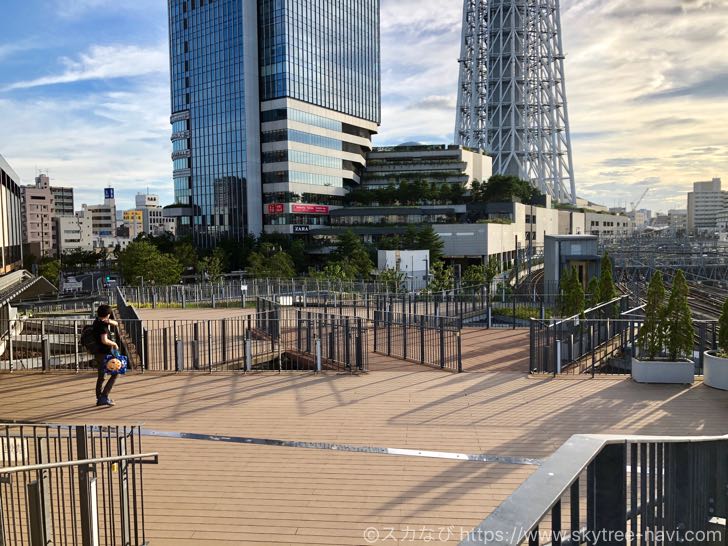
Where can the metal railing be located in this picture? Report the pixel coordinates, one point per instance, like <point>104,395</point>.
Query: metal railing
<point>601,346</point>
<point>283,340</point>
<point>618,490</point>
<point>430,341</point>
<point>72,485</point>
<point>239,293</point>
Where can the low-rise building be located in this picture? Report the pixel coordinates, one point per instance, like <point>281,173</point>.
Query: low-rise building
<point>103,217</point>
<point>74,233</point>
<point>438,164</point>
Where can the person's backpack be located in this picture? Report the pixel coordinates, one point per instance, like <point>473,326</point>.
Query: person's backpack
<point>88,338</point>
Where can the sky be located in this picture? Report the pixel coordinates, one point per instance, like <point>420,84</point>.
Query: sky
<point>84,92</point>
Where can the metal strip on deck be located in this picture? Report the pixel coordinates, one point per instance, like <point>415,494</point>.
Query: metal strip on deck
<point>482,458</point>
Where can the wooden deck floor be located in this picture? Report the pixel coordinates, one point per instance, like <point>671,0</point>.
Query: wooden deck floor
<point>211,493</point>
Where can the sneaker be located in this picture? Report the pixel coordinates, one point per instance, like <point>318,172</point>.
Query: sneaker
<point>105,401</point>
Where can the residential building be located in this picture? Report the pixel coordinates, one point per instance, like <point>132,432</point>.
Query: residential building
<point>103,217</point>
<point>11,219</point>
<point>42,203</point>
<point>722,225</point>
<point>704,203</point>
<point>296,102</point>
<point>37,203</point>
<point>74,233</point>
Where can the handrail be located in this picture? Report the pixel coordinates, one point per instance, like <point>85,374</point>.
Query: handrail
<point>83,462</point>
<point>533,500</point>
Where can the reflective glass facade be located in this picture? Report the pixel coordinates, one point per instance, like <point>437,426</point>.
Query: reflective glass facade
<point>323,52</point>
<point>209,115</point>
<point>309,72</point>
<point>11,227</point>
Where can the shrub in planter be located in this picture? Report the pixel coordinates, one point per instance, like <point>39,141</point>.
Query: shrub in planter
<point>678,321</point>
<point>723,332</point>
<point>666,337</point>
<point>652,333</point>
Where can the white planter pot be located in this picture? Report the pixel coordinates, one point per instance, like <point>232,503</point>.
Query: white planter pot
<point>660,371</point>
<point>715,371</point>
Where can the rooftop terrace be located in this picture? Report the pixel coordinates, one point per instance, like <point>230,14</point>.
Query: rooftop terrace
<point>313,459</point>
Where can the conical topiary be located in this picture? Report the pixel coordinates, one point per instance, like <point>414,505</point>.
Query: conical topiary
<point>678,321</point>
<point>652,333</point>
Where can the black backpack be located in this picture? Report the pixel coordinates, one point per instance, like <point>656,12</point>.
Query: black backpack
<point>88,338</point>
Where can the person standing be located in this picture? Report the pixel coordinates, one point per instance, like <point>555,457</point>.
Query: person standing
<point>104,346</point>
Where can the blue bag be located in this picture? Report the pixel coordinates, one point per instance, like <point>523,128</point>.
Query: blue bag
<point>115,363</point>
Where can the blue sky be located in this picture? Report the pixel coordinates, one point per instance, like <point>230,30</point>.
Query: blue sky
<point>84,92</point>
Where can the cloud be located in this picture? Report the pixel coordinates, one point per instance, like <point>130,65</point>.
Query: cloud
<point>446,104</point>
<point>105,62</point>
<point>71,9</point>
<point>118,138</point>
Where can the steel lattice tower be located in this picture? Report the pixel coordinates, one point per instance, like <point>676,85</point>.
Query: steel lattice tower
<point>512,92</point>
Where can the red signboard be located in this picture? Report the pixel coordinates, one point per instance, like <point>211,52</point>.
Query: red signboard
<point>310,209</point>
<point>275,208</point>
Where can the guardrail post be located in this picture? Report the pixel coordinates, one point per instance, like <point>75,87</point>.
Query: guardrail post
<point>179,355</point>
<point>442,343</point>
<point>145,349</point>
<point>209,346</point>
<point>317,341</point>
<point>359,344</point>
<point>248,352</point>
<point>606,503</point>
<point>124,495</point>
<point>347,347</point>
<point>86,491</point>
<point>460,350</point>
<point>299,332</point>
<point>389,332</point>
<point>45,352</point>
<point>165,349</point>
<point>76,355</point>
<point>422,339</point>
<point>223,341</point>
<point>532,344</point>
<point>39,509</point>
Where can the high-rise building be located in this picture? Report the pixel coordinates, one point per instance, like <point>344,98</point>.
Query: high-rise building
<point>705,202</point>
<point>274,103</point>
<point>11,224</point>
<point>512,92</point>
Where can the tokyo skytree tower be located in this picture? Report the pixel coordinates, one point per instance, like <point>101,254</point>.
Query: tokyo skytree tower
<point>512,92</point>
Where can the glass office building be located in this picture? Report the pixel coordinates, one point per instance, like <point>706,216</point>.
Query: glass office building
<point>274,103</point>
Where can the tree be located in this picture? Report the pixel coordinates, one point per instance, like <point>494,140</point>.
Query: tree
<point>652,333</point>
<point>572,293</point>
<point>678,320</point>
<point>491,272</point>
<point>427,239</point>
<point>409,239</point>
<point>607,290</point>
<point>51,270</point>
<point>474,275</point>
<point>334,271</point>
<point>442,278</point>
<point>141,259</point>
<point>500,188</point>
<point>351,250</point>
<point>393,279</point>
<point>593,288</point>
<point>212,266</point>
<point>276,264</point>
